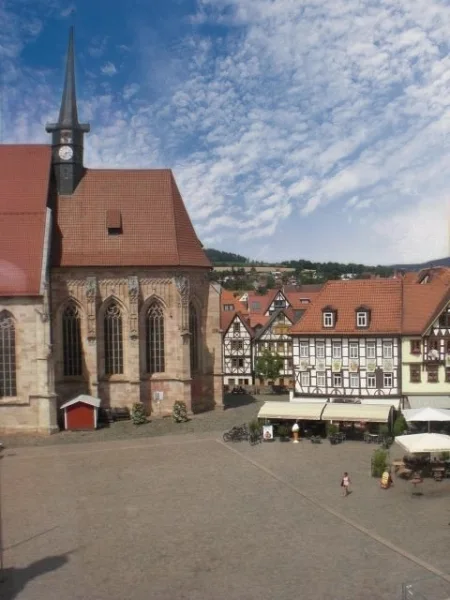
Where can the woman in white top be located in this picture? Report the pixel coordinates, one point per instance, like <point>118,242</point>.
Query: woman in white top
<point>345,484</point>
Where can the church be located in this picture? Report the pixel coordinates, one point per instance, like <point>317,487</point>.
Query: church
<point>104,284</point>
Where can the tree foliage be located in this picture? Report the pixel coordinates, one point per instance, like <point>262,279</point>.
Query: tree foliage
<point>268,365</point>
<point>219,257</point>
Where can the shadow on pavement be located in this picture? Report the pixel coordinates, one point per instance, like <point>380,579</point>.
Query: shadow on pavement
<point>14,580</point>
<point>236,400</point>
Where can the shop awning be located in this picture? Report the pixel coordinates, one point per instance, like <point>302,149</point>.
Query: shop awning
<point>356,412</point>
<point>291,410</point>
<point>429,401</point>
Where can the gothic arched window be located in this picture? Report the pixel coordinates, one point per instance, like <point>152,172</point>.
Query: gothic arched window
<point>72,349</point>
<point>113,339</point>
<point>7,355</point>
<point>193,330</point>
<point>154,338</point>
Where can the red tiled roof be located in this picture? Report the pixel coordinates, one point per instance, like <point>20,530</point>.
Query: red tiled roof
<point>24,177</point>
<point>423,301</point>
<point>156,228</point>
<point>382,296</point>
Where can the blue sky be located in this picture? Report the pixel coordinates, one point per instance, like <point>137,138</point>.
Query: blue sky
<point>295,129</point>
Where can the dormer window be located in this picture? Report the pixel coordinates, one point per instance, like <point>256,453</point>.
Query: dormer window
<point>328,317</point>
<point>236,327</point>
<point>362,317</point>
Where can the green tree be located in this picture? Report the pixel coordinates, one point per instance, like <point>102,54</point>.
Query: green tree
<point>268,365</point>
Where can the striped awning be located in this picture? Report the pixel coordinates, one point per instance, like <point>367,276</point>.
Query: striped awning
<point>291,410</point>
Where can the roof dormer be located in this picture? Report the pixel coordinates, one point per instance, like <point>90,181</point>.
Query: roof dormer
<point>362,315</point>
<point>329,317</point>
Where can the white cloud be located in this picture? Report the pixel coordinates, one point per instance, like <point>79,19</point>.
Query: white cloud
<point>298,112</point>
<point>109,68</point>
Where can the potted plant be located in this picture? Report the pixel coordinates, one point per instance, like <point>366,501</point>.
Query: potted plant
<point>379,462</point>
<point>283,433</point>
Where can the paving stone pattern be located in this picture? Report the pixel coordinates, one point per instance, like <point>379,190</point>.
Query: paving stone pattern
<point>189,517</point>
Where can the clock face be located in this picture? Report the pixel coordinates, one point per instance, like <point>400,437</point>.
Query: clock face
<point>65,152</point>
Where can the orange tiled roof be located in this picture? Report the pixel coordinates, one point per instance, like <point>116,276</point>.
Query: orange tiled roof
<point>156,228</point>
<point>382,296</point>
<point>24,177</point>
<point>423,302</point>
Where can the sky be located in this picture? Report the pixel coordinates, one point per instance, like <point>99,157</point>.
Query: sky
<point>314,129</point>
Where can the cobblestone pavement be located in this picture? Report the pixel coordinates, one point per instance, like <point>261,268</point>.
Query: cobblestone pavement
<point>238,409</point>
<point>189,517</point>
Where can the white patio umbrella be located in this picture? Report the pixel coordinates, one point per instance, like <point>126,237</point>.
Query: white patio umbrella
<point>427,414</point>
<point>424,442</point>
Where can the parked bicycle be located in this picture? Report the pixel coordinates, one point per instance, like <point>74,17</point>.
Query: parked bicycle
<point>238,433</point>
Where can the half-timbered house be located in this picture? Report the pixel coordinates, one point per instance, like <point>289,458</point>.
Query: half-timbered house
<point>237,351</point>
<point>426,338</point>
<point>258,314</point>
<point>274,337</point>
<point>347,344</point>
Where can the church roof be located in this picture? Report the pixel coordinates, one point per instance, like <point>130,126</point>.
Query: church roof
<point>126,218</point>
<point>24,177</point>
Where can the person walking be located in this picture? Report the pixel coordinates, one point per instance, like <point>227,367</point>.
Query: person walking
<point>345,484</point>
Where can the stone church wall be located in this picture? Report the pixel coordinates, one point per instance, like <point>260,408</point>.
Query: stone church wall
<point>92,288</point>
<point>34,407</point>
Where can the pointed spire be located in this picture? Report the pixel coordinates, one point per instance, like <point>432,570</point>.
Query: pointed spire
<point>68,113</point>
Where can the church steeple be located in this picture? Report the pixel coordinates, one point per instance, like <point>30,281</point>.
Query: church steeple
<point>68,133</point>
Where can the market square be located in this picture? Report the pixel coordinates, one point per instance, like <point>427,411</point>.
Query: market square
<point>188,516</point>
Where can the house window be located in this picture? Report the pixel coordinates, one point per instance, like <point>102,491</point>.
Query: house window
<point>321,380</point>
<point>231,381</point>
<point>228,307</point>
<point>237,363</point>
<point>154,339</point>
<point>304,378</point>
<point>387,349</point>
<point>354,380</point>
<point>320,349</point>
<point>447,374</point>
<point>433,374</point>
<point>304,349</point>
<point>414,374</point>
<point>328,319</point>
<point>237,345</point>
<point>371,380</point>
<point>279,304</point>
<point>337,379</point>
<point>193,330</point>
<point>448,347</point>
<point>280,347</point>
<point>337,350</point>
<point>71,343</point>
<point>236,327</point>
<point>353,349</point>
<point>387,380</point>
<point>371,349</point>
<point>415,346</point>
<point>362,319</point>
<point>256,305</point>
<point>444,320</point>
<point>113,335</point>
<point>288,363</point>
<point>7,355</point>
